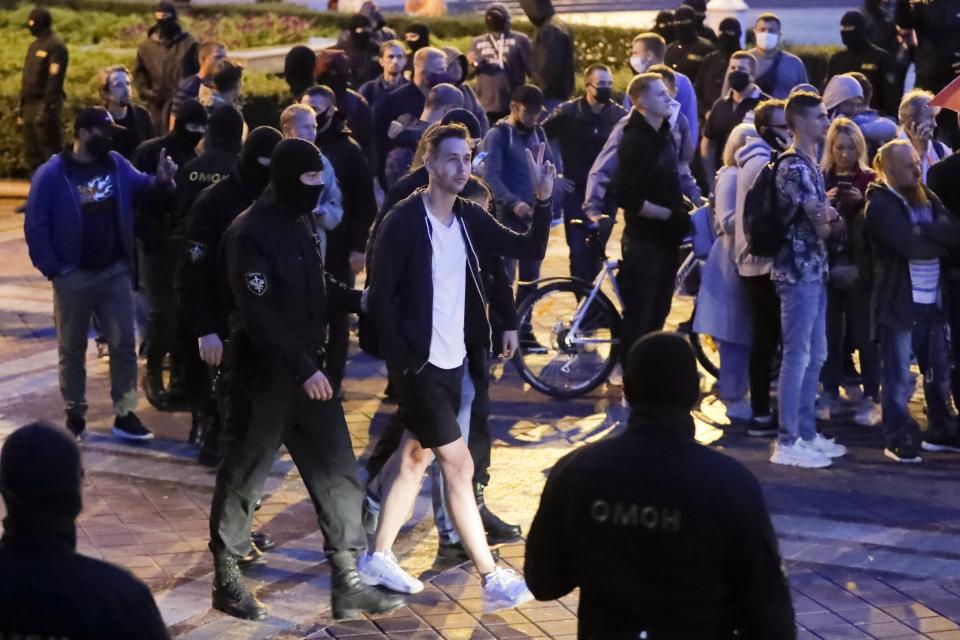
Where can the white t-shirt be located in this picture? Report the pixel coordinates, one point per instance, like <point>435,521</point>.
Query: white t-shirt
<point>447,347</point>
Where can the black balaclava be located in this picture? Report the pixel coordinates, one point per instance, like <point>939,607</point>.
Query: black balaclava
<point>422,40</point>
<point>289,161</point>
<point>853,31</point>
<point>360,30</point>
<point>298,69</point>
<point>40,481</point>
<point>39,22</point>
<point>169,27</point>
<point>225,128</point>
<point>661,380</point>
<point>685,24</point>
<point>189,112</point>
<point>497,18</point>
<point>700,9</point>
<point>729,36</point>
<point>261,143</point>
<point>663,25</point>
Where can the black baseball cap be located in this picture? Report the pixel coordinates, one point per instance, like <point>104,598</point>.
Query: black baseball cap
<point>96,118</point>
<point>528,95</point>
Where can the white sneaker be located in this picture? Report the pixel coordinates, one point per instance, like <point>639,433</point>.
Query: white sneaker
<point>869,414</point>
<point>504,589</point>
<point>615,379</point>
<point>381,568</point>
<point>828,446</point>
<point>739,411</point>
<point>825,405</point>
<point>798,454</point>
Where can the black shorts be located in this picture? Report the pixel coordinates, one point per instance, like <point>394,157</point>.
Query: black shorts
<point>433,402</point>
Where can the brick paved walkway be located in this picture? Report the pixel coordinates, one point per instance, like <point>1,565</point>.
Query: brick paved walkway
<point>873,549</point>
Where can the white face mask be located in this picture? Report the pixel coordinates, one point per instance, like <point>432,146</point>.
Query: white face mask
<point>674,112</point>
<point>637,64</point>
<point>768,41</point>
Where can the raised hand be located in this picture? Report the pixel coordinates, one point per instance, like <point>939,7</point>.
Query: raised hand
<point>166,168</point>
<point>542,172</point>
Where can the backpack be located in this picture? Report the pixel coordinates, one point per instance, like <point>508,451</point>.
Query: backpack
<point>763,227</point>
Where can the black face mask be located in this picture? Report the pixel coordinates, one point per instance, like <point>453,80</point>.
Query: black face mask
<point>604,94</point>
<point>738,80</point>
<point>335,81</point>
<point>99,146</point>
<point>496,22</point>
<point>36,30</point>
<point>686,31</point>
<point>323,119</point>
<point>854,39</point>
<point>729,42</point>
<point>190,139</point>
<point>168,26</point>
<point>301,198</point>
<point>360,37</point>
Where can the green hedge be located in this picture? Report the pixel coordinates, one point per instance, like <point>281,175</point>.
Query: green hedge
<point>103,32</point>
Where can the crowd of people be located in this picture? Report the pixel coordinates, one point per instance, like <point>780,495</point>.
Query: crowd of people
<point>439,173</point>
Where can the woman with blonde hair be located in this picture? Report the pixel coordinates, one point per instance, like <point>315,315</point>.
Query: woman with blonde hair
<point>847,176</point>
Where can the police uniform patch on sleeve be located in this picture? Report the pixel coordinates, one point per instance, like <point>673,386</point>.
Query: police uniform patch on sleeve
<point>54,68</point>
<point>41,53</point>
<point>257,283</point>
<point>196,251</point>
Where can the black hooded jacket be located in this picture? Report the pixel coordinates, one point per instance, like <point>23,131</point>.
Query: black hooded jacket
<point>279,289</point>
<point>161,64</point>
<point>661,535</point>
<point>154,218</point>
<point>937,24</point>
<point>551,56</point>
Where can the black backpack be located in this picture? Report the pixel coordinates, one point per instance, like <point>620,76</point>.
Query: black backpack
<point>763,226</point>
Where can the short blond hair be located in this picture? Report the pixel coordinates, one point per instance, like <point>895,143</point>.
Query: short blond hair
<point>640,83</point>
<point>286,118</point>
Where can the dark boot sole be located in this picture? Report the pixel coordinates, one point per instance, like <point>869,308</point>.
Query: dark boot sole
<point>347,614</point>
<point>232,609</point>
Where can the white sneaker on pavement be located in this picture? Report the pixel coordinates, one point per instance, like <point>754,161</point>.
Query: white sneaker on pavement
<point>504,589</point>
<point>799,454</point>
<point>869,414</point>
<point>381,569</point>
<point>828,446</point>
<point>825,406</point>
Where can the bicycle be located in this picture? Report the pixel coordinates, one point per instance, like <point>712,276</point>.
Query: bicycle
<point>571,338</point>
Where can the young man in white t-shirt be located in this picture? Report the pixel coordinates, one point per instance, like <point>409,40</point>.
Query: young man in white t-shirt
<point>429,304</point>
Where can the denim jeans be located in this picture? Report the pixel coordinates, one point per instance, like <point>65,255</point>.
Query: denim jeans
<point>803,308</point>
<point>447,532</point>
<point>927,340</point>
<point>734,378</point>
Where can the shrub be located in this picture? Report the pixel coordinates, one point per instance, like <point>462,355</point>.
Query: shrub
<point>103,32</point>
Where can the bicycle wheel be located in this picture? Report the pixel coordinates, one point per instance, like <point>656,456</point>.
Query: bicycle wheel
<point>553,358</point>
<point>708,355</point>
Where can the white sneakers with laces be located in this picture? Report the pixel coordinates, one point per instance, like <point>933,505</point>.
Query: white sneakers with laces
<point>828,446</point>
<point>381,569</point>
<point>504,589</point>
<point>799,454</point>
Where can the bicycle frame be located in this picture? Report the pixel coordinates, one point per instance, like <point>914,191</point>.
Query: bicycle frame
<point>609,270</point>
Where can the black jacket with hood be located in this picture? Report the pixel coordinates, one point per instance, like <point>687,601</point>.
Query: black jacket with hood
<point>892,242</point>
<point>161,64</point>
<point>401,294</point>
<point>501,63</point>
<point>551,58</point>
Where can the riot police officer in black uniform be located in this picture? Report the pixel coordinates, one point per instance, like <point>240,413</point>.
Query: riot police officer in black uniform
<point>665,538</point>
<point>861,55</point>
<point>281,296</point>
<point>41,92</point>
<point>200,296</point>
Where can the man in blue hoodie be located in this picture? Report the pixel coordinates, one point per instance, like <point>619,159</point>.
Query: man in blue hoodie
<point>79,231</point>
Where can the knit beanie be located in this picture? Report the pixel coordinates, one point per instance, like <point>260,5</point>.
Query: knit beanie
<point>661,374</point>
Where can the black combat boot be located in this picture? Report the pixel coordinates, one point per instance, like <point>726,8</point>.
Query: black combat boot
<point>200,421</point>
<point>153,388</point>
<point>350,596</point>
<point>231,594</point>
<point>498,531</point>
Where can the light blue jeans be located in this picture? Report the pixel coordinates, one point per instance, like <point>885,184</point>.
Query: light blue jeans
<point>734,378</point>
<point>803,307</point>
<point>441,517</point>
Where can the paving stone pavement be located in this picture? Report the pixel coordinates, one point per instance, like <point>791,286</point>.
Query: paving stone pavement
<point>872,548</point>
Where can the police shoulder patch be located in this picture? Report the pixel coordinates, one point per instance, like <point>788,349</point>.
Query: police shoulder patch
<point>256,282</point>
<point>196,251</point>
